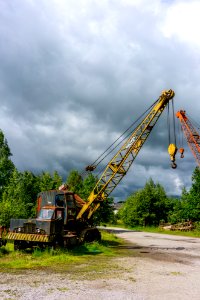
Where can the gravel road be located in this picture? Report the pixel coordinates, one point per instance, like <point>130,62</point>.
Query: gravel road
<point>158,267</point>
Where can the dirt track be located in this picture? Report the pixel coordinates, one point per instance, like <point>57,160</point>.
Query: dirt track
<point>167,267</point>
<point>158,267</point>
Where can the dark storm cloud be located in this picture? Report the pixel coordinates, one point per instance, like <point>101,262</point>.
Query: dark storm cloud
<point>75,74</point>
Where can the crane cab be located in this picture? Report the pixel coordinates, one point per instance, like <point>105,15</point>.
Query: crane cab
<point>51,203</point>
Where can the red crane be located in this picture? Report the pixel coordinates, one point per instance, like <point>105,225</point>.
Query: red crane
<point>191,135</point>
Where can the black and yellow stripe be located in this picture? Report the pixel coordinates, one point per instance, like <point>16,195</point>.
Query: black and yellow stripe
<point>29,237</point>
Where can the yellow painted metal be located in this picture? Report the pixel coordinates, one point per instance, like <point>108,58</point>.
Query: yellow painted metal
<point>28,237</point>
<point>93,209</point>
<point>172,149</point>
<point>121,162</point>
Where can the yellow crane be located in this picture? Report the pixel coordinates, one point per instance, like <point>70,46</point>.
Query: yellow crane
<point>119,165</point>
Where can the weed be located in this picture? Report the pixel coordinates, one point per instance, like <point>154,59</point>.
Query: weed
<point>63,289</point>
<point>61,260</point>
<point>132,279</point>
<point>3,251</point>
<point>175,273</point>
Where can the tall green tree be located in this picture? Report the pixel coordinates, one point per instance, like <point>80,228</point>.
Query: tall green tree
<point>19,197</point>
<point>105,213</point>
<point>88,185</point>
<point>195,189</point>
<point>57,180</point>
<point>174,206</point>
<point>75,182</point>
<point>147,206</point>
<point>6,165</point>
<point>190,201</point>
<point>49,182</point>
<point>194,196</point>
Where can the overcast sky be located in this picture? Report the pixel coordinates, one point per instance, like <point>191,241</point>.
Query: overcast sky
<point>75,74</point>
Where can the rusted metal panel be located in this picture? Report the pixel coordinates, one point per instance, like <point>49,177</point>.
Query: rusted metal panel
<point>15,223</point>
<point>79,201</point>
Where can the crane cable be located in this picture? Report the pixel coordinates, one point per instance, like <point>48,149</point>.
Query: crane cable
<point>194,123</point>
<point>180,135</point>
<point>174,126</point>
<point>169,124</point>
<point>101,157</point>
<point>172,149</point>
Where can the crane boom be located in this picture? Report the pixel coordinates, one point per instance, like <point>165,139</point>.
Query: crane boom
<point>118,166</point>
<point>191,134</point>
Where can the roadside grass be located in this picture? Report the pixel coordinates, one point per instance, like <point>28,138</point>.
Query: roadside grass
<point>81,259</point>
<point>194,233</point>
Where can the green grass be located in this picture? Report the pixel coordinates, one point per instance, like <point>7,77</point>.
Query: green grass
<point>62,259</point>
<point>175,273</point>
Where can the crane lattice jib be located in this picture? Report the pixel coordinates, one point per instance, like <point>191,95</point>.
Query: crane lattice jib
<point>121,162</point>
<point>192,136</point>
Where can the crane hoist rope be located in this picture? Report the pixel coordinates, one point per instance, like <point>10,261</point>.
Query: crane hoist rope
<point>180,141</point>
<point>109,150</point>
<point>172,149</point>
<point>119,165</point>
<point>194,122</point>
<point>129,131</point>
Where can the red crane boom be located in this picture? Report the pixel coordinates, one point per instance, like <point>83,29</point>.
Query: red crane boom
<point>191,134</point>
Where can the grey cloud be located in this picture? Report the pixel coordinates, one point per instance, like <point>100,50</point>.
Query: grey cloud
<point>74,76</point>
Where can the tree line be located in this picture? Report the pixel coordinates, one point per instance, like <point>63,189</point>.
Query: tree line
<point>146,207</point>
<point>151,206</point>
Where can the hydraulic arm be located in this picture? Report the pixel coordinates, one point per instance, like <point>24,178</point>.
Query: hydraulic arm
<point>121,162</point>
<point>191,135</point>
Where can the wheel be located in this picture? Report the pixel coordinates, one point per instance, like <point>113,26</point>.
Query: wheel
<point>97,235</point>
<point>16,245</point>
<point>90,235</point>
<point>58,243</point>
<point>20,245</point>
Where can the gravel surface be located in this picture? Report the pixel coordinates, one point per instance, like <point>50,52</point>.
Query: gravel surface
<point>158,267</point>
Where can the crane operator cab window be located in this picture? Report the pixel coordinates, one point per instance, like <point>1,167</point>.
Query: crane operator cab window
<point>70,201</point>
<point>71,208</point>
<point>46,214</point>
<point>60,200</point>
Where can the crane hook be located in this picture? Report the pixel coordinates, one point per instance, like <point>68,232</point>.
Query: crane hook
<point>181,150</point>
<point>172,149</point>
<point>174,165</point>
